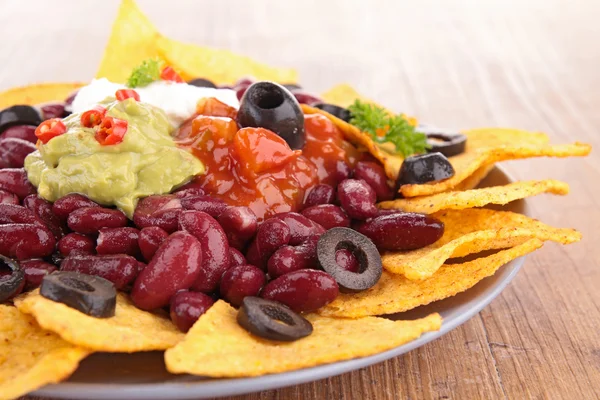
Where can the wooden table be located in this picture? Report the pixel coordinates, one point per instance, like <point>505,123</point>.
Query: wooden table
<point>533,65</point>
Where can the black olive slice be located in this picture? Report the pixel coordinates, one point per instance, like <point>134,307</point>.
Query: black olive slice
<point>89,294</point>
<point>272,320</point>
<point>424,168</point>
<point>12,284</point>
<point>19,115</point>
<point>365,251</point>
<point>271,106</point>
<point>448,143</point>
<point>201,82</point>
<point>334,110</point>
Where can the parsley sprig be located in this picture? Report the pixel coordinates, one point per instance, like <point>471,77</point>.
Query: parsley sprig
<point>386,128</point>
<point>144,74</point>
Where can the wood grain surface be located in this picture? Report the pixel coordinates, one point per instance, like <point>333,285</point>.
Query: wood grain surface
<point>527,64</point>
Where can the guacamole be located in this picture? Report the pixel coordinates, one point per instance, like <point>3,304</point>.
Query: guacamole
<point>146,162</point>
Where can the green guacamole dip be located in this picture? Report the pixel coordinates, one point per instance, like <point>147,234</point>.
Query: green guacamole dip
<point>146,162</point>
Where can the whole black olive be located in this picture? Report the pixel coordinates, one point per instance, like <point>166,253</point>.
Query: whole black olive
<point>334,110</point>
<point>424,168</point>
<point>201,82</point>
<point>271,106</point>
<point>448,143</point>
<point>19,115</point>
<point>12,284</point>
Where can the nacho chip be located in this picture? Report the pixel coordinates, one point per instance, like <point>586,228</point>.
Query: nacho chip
<point>343,95</point>
<point>217,346</point>
<point>133,39</point>
<point>475,179</point>
<point>37,93</point>
<point>469,232</point>
<point>395,293</point>
<point>477,197</point>
<point>130,330</point>
<point>31,357</point>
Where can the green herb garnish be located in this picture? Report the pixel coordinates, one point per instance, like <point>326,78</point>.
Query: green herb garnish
<point>145,74</point>
<point>386,128</point>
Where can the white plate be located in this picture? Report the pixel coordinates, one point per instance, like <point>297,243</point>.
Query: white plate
<point>143,375</point>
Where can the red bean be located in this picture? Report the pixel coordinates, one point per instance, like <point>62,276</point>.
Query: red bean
<point>160,210</point>
<point>303,291</point>
<point>271,235</point>
<point>14,180</point>
<point>76,242</point>
<point>210,205</point>
<point>187,307</point>
<point>175,266</point>
<point>8,198</point>
<point>11,214</point>
<point>52,110</point>
<point>293,258</point>
<point>215,249</point>
<point>342,171</point>
<point>305,98</point>
<point>406,231</point>
<point>241,281</point>
<point>25,132</point>
<point>69,203</point>
<point>327,215</point>
<point>13,152</point>
<point>374,175</point>
<point>34,271</point>
<point>389,211</point>
<point>69,100</point>
<point>347,260</point>
<point>118,241</point>
<point>301,228</point>
<point>357,199</point>
<point>240,225</point>
<point>44,211</point>
<point>25,241</point>
<point>150,239</point>
<point>320,194</point>
<point>236,257</point>
<point>89,220</point>
<point>120,269</point>
<point>189,190</point>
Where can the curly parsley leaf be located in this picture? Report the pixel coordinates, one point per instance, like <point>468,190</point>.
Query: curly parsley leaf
<point>386,128</point>
<point>144,74</point>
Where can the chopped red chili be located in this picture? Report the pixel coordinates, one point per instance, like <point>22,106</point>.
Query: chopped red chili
<point>111,131</point>
<point>169,74</point>
<point>124,94</point>
<point>49,129</point>
<point>93,117</point>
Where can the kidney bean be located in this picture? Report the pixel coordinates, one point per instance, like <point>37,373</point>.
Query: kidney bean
<point>13,152</point>
<point>69,203</point>
<point>25,241</point>
<point>120,269</point>
<point>320,194</point>
<point>118,241</point>
<point>293,258</point>
<point>69,100</point>
<point>160,210</point>
<point>150,239</point>
<point>305,290</point>
<point>210,205</point>
<point>241,281</point>
<point>305,98</point>
<point>14,180</point>
<point>240,225</point>
<point>374,175</point>
<point>389,211</point>
<point>347,260</point>
<point>271,235</point>
<point>25,132</point>
<point>89,220</point>
<point>406,231</point>
<point>188,190</point>
<point>215,249</point>
<point>34,271</point>
<point>52,110</point>
<point>43,210</point>
<point>175,266</point>
<point>76,242</point>
<point>327,215</point>
<point>342,171</point>
<point>187,307</point>
<point>12,214</point>
<point>357,199</point>
<point>236,257</point>
<point>301,228</point>
<point>8,198</point>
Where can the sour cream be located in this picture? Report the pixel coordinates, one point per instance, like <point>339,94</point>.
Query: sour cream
<point>178,100</point>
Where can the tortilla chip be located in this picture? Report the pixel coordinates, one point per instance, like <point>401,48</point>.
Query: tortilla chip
<point>477,197</point>
<point>469,232</point>
<point>217,346</point>
<point>395,293</point>
<point>343,95</point>
<point>31,357</point>
<point>475,179</point>
<point>37,93</point>
<point>130,330</point>
<point>219,66</point>
<point>133,39</point>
